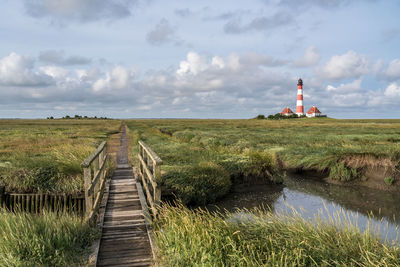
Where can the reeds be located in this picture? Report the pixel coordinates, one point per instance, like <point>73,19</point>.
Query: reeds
<point>45,155</point>
<point>260,238</point>
<point>47,239</point>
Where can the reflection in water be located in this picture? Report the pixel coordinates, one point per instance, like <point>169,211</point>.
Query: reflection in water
<point>311,197</point>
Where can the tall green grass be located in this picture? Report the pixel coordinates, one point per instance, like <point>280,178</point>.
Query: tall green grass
<point>197,173</point>
<point>259,238</point>
<point>44,240</point>
<point>258,150</point>
<point>45,155</point>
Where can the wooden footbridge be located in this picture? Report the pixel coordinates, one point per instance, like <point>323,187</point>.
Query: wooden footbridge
<point>123,216</point>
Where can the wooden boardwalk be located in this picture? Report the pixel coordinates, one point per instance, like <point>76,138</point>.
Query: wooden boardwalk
<point>125,240</point>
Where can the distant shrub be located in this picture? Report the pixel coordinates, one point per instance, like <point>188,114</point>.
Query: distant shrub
<point>389,180</point>
<point>198,184</point>
<point>342,173</point>
<point>279,116</point>
<point>260,117</point>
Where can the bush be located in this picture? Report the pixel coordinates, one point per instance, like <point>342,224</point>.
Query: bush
<point>198,184</point>
<point>261,166</point>
<point>260,117</point>
<point>342,173</point>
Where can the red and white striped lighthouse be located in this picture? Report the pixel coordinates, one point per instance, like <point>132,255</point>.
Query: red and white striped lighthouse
<point>299,105</point>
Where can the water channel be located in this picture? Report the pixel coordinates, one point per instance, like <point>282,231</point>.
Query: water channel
<point>311,196</point>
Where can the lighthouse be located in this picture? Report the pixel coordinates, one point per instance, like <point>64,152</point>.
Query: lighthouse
<point>299,105</point>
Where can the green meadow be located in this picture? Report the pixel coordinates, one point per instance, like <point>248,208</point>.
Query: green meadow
<point>45,155</point>
<point>202,161</point>
<point>203,158</point>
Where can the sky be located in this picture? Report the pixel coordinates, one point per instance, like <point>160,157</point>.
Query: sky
<point>198,59</point>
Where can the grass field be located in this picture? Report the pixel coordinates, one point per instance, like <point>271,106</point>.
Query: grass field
<point>45,155</point>
<point>44,240</point>
<point>260,238</point>
<point>202,158</point>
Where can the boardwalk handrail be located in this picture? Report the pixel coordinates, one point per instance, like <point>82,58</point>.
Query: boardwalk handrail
<point>94,173</point>
<point>150,175</point>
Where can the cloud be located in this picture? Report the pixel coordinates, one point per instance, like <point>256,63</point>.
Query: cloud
<point>354,86</point>
<point>80,10</point>
<point>393,90</point>
<point>18,70</point>
<point>348,65</point>
<point>310,58</point>
<point>57,57</point>
<point>193,64</point>
<point>116,79</point>
<point>236,85</point>
<point>246,62</point>
<point>392,72</point>
<point>163,33</point>
<point>263,23</point>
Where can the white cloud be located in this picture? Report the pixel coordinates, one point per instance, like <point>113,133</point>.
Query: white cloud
<point>234,62</point>
<point>392,72</point>
<point>218,62</point>
<point>193,64</point>
<point>118,78</point>
<point>351,87</point>
<point>393,90</point>
<point>201,85</point>
<point>55,72</point>
<point>310,58</point>
<point>348,65</point>
<point>18,70</point>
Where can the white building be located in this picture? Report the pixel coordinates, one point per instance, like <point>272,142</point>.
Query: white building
<point>314,112</point>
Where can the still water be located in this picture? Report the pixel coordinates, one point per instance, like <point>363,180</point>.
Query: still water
<point>309,197</point>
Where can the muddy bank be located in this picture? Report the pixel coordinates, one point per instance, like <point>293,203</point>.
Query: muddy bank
<point>371,177</point>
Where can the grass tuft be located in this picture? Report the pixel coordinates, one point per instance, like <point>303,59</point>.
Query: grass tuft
<point>44,240</point>
<point>260,238</point>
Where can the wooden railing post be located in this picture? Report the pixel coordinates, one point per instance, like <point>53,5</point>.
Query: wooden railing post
<point>150,174</point>
<point>157,178</point>
<point>94,183</point>
<point>88,181</point>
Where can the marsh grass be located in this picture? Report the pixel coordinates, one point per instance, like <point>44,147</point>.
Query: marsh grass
<point>44,240</point>
<point>260,238</point>
<point>45,155</point>
<point>257,150</point>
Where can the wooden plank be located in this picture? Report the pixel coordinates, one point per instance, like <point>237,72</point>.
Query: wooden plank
<point>124,239</point>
